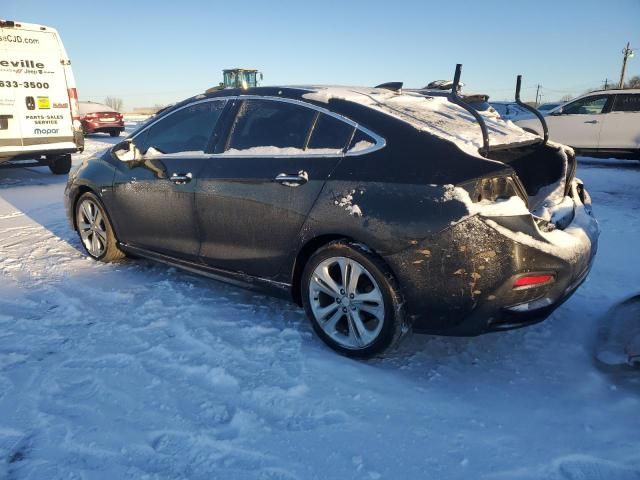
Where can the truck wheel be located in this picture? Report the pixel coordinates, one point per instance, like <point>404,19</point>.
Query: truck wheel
<point>60,165</point>
<point>114,133</point>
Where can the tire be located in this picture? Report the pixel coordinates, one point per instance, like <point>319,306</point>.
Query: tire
<point>95,230</point>
<point>115,133</point>
<point>60,165</point>
<point>344,320</point>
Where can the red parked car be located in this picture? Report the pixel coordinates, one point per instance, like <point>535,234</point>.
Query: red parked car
<point>96,118</point>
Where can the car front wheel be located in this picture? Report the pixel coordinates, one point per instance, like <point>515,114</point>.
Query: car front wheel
<point>95,229</point>
<point>352,300</point>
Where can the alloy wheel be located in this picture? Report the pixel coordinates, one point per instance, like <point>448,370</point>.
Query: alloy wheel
<point>92,228</point>
<point>347,302</point>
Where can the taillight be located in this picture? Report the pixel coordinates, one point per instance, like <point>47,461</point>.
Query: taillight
<point>73,104</point>
<point>533,280</point>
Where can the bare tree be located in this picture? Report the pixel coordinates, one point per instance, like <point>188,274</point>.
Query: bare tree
<point>566,98</point>
<point>634,82</point>
<point>113,102</point>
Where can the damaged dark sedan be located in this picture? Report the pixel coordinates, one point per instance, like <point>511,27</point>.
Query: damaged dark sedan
<point>379,211</point>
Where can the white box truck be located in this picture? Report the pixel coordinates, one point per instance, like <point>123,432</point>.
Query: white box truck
<point>39,118</point>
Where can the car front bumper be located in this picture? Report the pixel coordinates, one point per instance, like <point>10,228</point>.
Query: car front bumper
<point>461,281</point>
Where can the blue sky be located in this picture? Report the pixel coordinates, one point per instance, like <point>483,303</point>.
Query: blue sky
<point>154,52</point>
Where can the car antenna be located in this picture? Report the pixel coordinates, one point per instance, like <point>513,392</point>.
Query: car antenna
<point>535,111</point>
<point>393,86</point>
<point>454,97</point>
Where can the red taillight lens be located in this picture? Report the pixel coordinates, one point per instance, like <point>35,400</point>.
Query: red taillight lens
<point>73,103</point>
<point>535,280</point>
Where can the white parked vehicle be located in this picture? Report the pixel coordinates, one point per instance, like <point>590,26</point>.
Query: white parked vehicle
<point>602,123</point>
<point>39,117</point>
<point>510,110</point>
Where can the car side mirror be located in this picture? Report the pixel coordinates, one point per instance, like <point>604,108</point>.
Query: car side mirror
<point>126,151</point>
<point>557,112</point>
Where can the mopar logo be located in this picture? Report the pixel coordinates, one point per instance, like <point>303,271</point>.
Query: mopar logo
<point>45,131</point>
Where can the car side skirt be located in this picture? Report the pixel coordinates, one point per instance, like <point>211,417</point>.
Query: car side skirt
<point>278,289</point>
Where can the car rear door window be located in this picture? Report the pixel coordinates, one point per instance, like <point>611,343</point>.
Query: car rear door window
<point>627,103</point>
<point>186,130</point>
<point>587,106</point>
<point>330,134</point>
<point>266,126</point>
<point>361,141</point>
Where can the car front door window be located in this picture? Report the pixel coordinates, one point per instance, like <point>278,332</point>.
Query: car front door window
<point>186,131</point>
<point>586,106</point>
<point>157,189</point>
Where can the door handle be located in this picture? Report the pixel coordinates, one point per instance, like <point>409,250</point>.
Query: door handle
<point>591,121</point>
<point>293,179</point>
<point>181,178</point>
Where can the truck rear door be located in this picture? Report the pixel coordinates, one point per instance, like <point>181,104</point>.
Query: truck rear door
<point>34,90</point>
<point>10,134</point>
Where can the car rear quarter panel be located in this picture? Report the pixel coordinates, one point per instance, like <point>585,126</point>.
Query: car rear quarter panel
<point>392,198</point>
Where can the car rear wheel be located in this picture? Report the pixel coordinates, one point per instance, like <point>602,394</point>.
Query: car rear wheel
<point>95,229</point>
<point>352,300</point>
<point>60,165</point>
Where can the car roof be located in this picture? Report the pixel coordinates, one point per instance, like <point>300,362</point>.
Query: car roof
<point>435,115</point>
<point>616,91</point>
<point>92,107</point>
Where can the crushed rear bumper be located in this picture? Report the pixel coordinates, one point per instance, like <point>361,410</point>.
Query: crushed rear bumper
<point>461,281</point>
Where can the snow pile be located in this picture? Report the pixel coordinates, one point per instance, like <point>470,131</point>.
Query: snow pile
<point>548,198</point>
<point>135,370</point>
<point>435,115</point>
<point>500,208</point>
<point>361,145</point>
<point>93,107</point>
<point>346,202</point>
<point>271,150</point>
<point>570,242</point>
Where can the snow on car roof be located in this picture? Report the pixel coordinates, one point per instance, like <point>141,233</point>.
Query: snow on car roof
<point>436,115</point>
<point>93,107</point>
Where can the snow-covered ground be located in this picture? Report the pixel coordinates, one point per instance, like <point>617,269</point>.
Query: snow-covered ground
<point>136,370</point>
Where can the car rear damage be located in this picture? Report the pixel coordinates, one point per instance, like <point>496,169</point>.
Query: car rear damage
<point>525,244</point>
<point>504,264</point>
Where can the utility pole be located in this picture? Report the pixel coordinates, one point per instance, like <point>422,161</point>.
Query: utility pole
<point>606,83</point>
<point>627,53</point>
<point>537,93</point>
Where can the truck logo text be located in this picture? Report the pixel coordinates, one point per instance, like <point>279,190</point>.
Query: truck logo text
<point>22,64</point>
<point>45,131</point>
